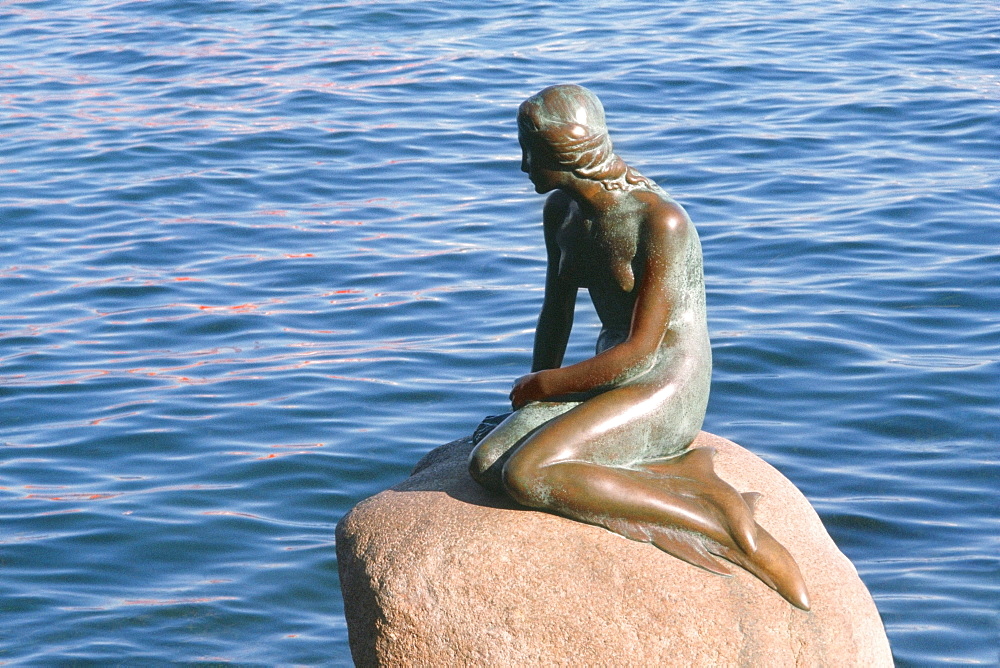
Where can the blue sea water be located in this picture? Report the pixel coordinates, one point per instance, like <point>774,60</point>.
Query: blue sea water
<point>256,258</point>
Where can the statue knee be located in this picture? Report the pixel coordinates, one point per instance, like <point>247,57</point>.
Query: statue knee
<point>486,470</point>
<point>524,480</point>
<point>476,464</point>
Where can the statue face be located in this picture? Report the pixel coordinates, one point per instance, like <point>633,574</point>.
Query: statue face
<point>539,165</point>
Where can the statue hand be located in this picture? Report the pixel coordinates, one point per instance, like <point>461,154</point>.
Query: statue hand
<point>526,389</point>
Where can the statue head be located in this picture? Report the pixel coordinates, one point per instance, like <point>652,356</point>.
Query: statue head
<point>568,122</point>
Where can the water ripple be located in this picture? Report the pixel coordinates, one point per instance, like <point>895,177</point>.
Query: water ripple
<point>257,259</point>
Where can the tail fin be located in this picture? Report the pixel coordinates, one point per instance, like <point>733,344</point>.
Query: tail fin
<point>680,544</point>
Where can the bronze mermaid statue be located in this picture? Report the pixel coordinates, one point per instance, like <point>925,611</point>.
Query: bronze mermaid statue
<point>607,440</point>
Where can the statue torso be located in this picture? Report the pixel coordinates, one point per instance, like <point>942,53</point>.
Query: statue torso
<point>602,256</point>
<point>607,257</point>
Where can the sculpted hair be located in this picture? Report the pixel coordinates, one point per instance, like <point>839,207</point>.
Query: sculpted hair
<point>569,119</point>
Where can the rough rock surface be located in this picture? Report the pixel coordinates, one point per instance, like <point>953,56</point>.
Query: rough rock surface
<point>437,571</point>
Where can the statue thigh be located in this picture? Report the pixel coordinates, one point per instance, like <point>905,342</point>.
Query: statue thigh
<point>621,427</point>
<point>611,429</point>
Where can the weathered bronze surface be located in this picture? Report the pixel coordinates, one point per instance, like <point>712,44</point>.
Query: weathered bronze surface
<point>605,440</point>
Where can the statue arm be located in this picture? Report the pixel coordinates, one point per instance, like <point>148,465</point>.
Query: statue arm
<point>650,318</point>
<point>556,318</point>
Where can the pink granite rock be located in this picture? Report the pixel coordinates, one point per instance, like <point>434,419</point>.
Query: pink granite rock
<point>437,571</point>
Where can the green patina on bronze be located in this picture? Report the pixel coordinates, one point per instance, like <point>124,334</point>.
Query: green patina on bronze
<point>606,440</point>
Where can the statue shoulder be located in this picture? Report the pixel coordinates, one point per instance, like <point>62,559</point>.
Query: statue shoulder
<point>556,207</point>
<point>666,219</point>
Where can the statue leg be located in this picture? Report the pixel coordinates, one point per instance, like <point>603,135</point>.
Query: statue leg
<point>587,464</point>
<point>577,464</point>
<point>487,459</point>
<point>583,464</point>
